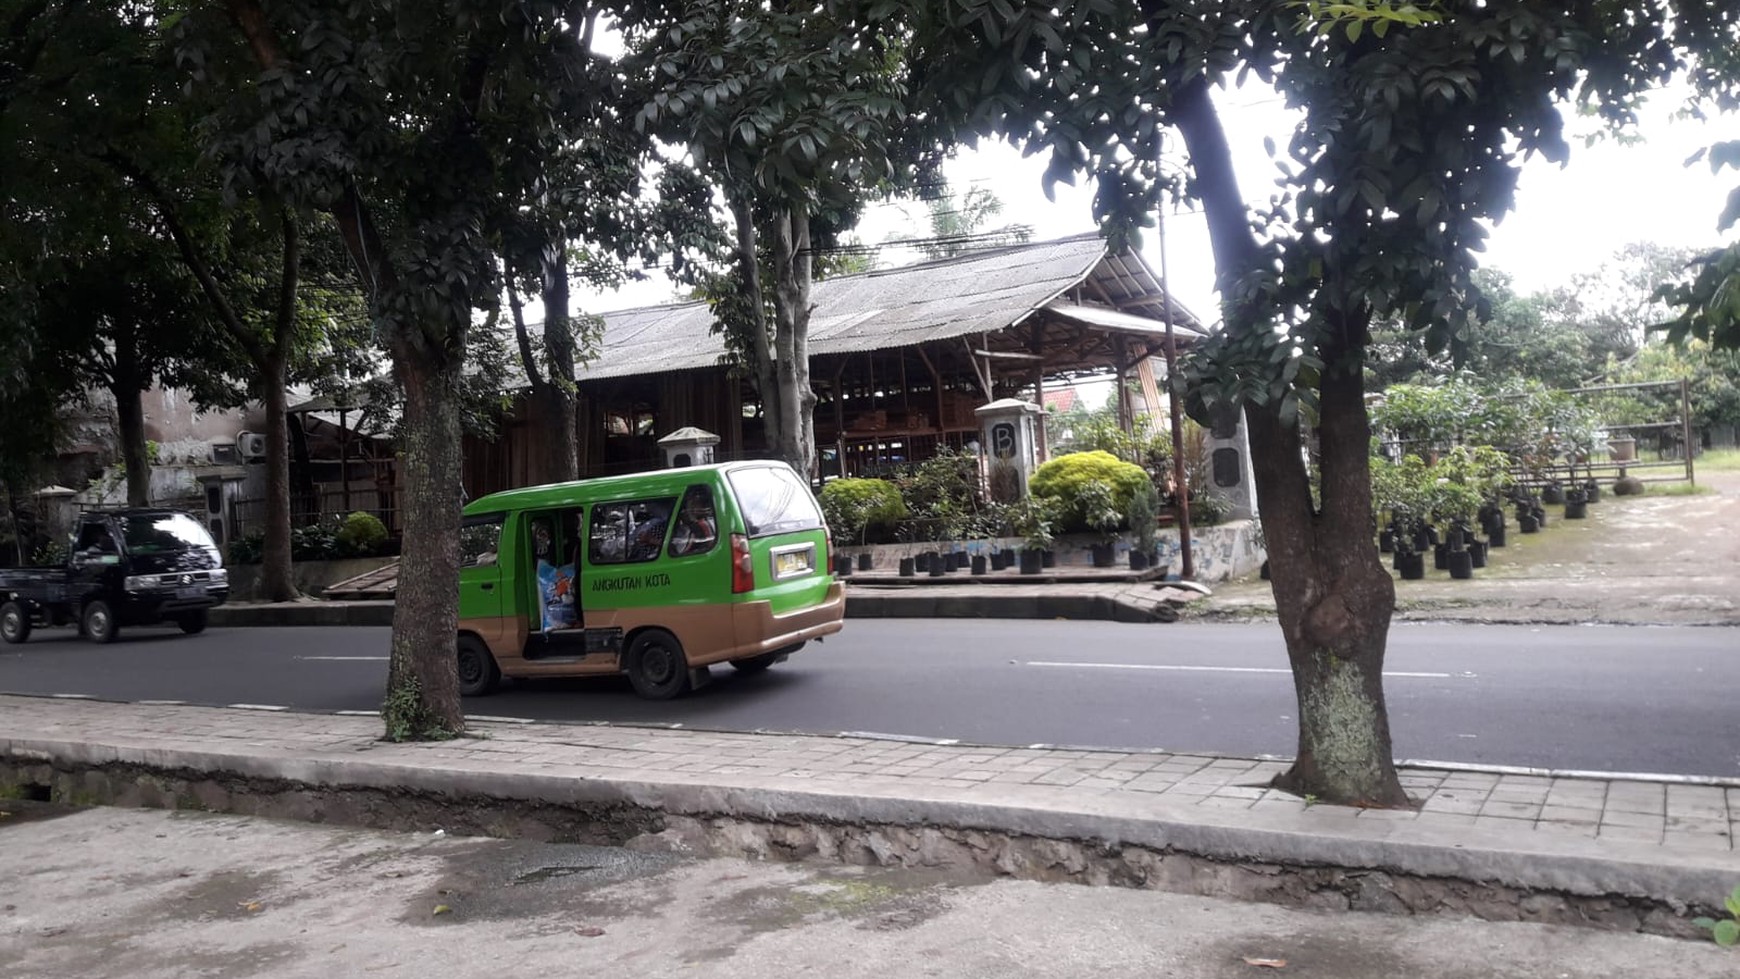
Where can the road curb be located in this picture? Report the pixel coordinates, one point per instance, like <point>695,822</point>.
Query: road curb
<point>859,605</point>
<point>1319,837</point>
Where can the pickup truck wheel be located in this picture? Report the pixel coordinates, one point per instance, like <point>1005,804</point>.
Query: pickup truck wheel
<point>656,665</point>
<point>478,673</point>
<point>192,623</point>
<point>99,622</point>
<point>14,622</point>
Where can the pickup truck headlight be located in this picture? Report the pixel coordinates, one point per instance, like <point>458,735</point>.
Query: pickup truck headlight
<point>143,582</point>
<point>220,576</point>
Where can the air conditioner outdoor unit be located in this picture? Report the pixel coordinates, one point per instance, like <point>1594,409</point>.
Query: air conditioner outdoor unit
<point>223,454</point>
<point>252,445</point>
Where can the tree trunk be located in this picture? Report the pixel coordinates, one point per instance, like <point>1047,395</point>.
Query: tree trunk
<point>277,578</point>
<point>761,352</point>
<point>422,676</point>
<point>1332,596</point>
<point>126,386</point>
<point>562,448</point>
<point>791,317</point>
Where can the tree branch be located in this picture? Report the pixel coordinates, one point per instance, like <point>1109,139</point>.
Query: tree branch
<point>190,255</point>
<point>525,340</point>
<point>251,19</point>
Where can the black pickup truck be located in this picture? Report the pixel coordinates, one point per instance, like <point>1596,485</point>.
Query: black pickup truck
<point>126,567</point>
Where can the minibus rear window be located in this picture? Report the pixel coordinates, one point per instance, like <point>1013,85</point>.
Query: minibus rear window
<point>774,501</point>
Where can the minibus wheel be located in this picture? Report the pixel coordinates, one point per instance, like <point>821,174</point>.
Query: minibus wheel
<point>656,665</point>
<point>478,674</point>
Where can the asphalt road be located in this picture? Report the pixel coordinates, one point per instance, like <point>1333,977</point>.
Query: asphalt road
<point>1609,699</point>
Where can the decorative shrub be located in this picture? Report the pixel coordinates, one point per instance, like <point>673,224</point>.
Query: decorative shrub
<point>853,507</point>
<point>313,543</point>
<point>1063,479</point>
<point>360,535</point>
<point>248,548</point>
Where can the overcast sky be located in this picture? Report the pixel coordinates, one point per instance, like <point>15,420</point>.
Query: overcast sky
<point>1567,219</point>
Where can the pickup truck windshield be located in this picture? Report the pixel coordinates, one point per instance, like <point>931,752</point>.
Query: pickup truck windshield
<point>774,501</point>
<point>163,533</point>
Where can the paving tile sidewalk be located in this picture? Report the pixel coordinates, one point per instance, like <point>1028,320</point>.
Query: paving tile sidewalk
<point>1670,841</point>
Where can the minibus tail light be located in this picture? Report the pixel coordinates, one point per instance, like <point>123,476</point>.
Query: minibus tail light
<point>742,571</point>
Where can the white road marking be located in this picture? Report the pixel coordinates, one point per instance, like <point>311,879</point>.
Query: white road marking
<point>256,707</point>
<point>358,713</point>
<point>1208,669</point>
<point>349,659</point>
<point>72,696</point>
<point>499,720</point>
<point>161,703</point>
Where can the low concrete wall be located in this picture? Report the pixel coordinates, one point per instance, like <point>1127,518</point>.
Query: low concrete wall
<point>1220,553</point>
<point>312,577</point>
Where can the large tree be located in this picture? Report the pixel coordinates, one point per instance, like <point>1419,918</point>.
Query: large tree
<point>1414,122</point>
<point>796,112</point>
<point>407,129</point>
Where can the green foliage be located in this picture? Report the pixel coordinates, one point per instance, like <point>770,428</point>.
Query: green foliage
<point>50,555</point>
<point>1033,519</point>
<point>852,507</point>
<point>1726,931</point>
<point>1207,510</point>
<point>1144,517</point>
<point>360,535</point>
<point>1099,513</point>
<point>1080,429</point>
<point>248,548</point>
<point>1066,479</point>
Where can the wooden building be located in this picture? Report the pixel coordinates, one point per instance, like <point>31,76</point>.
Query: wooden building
<point>900,358</point>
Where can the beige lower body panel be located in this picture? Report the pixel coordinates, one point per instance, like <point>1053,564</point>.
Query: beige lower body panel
<point>714,633</point>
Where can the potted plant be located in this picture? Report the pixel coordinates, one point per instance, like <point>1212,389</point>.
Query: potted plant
<point>1031,519</point>
<point>1144,520</point>
<point>1099,512</point>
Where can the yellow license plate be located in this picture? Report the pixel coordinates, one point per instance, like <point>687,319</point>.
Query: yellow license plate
<point>792,563</point>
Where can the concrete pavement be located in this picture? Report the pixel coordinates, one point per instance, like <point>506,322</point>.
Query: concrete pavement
<point>1616,853</point>
<point>178,894</point>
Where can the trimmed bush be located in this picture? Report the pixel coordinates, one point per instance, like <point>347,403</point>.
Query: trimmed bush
<point>853,506</point>
<point>360,535</point>
<point>1063,479</point>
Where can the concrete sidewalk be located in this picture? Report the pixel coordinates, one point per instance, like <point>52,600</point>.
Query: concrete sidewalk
<point>1612,852</point>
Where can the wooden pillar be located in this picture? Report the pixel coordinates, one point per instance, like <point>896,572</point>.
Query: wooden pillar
<point>1120,358</point>
<point>1036,346</point>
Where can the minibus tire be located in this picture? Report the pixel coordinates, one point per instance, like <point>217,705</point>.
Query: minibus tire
<point>656,665</point>
<point>478,674</point>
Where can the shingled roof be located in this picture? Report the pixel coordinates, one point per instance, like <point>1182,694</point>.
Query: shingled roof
<point>980,293</point>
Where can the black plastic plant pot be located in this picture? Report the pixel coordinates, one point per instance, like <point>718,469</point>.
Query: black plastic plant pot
<point>1032,562</point>
<point>1477,548</point>
<point>1440,556</point>
<point>1263,572</point>
<point>864,562</point>
<point>938,566</point>
<point>1553,493</point>
<point>1528,524</point>
<point>1432,536</point>
<point>997,562</point>
<point>1592,491</point>
<point>908,567</point>
<point>979,564</point>
<point>1105,555</point>
<point>1460,564</point>
<point>921,563</point>
<point>1397,558</point>
<point>1576,511</point>
<point>1412,567</point>
<point>1541,517</point>
<point>842,565</point>
<point>1138,561</point>
<point>1048,558</point>
<point>1386,541</point>
<point>1495,534</point>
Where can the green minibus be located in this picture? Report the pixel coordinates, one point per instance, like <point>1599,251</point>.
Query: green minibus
<point>657,575</point>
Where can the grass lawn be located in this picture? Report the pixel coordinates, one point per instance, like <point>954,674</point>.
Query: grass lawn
<point>1719,460</point>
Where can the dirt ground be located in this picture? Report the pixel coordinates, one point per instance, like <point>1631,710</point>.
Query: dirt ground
<point>1655,559</point>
